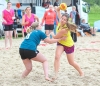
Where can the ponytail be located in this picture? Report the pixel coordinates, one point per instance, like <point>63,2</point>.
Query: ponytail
<point>33,26</point>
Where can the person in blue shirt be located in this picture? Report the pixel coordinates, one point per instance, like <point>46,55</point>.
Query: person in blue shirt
<point>28,49</point>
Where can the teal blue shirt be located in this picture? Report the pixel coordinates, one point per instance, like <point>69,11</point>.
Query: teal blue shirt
<point>32,40</point>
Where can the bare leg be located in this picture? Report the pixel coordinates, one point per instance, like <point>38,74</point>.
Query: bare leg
<point>28,66</point>
<point>6,38</point>
<point>15,33</point>
<point>59,51</point>
<point>47,33</point>
<point>43,60</point>
<point>10,38</point>
<point>71,61</point>
<point>22,32</point>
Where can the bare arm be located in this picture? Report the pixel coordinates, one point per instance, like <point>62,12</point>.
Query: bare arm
<point>23,21</point>
<point>58,13</point>
<point>3,20</point>
<point>36,18</point>
<point>50,41</point>
<point>60,34</point>
<point>43,19</point>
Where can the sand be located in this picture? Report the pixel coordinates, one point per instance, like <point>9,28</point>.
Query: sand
<point>87,54</point>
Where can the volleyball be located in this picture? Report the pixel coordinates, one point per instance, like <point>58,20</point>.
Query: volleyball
<point>63,6</point>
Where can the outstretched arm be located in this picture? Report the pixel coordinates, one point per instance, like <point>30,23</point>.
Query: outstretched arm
<point>58,13</point>
<point>59,34</point>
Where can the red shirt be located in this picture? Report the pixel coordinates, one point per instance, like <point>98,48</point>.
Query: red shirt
<point>49,17</point>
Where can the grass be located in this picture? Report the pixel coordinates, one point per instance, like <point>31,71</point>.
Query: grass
<point>93,17</point>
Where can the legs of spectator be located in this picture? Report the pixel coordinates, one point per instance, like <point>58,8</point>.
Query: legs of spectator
<point>22,32</point>
<point>93,31</point>
<point>81,32</point>
<point>15,33</point>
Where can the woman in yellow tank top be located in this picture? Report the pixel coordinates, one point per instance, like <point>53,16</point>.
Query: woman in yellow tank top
<point>67,45</point>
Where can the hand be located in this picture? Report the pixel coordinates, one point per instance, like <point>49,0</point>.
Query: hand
<point>58,8</point>
<point>41,24</point>
<point>52,33</point>
<point>13,18</point>
<point>4,21</point>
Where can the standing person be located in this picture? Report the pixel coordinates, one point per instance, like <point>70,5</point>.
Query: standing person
<point>56,3</point>
<point>28,49</point>
<point>8,19</point>
<point>49,18</point>
<point>67,45</point>
<point>28,18</point>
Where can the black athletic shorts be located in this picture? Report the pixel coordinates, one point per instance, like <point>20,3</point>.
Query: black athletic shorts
<point>27,54</point>
<point>49,27</point>
<point>8,27</point>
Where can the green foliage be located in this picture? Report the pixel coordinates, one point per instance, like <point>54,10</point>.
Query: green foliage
<point>92,2</point>
<point>94,14</point>
<point>95,9</point>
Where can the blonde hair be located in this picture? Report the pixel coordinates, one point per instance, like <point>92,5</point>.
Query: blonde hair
<point>72,27</point>
<point>33,26</point>
<point>27,8</point>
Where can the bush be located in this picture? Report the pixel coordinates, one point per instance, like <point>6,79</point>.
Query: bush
<point>95,9</point>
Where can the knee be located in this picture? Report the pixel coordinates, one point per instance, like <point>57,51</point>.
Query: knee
<point>57,57</point>
<point>6,36</point>
<point>29,68</point>
<point>71,63</point>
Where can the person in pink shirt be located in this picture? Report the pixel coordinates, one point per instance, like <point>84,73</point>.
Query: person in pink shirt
<point>49,18</point>
<point>8,19</point>
<point>28,18</point>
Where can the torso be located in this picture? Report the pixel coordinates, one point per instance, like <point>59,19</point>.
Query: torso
<point>7,15</point>
<point>32,40</point>
<point>69,41</point>
<point>30,20</point>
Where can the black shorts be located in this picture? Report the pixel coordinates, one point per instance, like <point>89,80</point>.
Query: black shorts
<point>8,27</point>
<point>25,33</point>
<point>15,27</point>
<point>27,54</point>
<point>49,27</point>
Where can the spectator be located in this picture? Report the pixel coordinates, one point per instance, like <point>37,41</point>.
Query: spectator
<point>8,19</point>
<point>56,3</point>
<point>44,4</point>
<point>28,19</point>
<point>49,18</point>
<point>48,3</point>
<point>86,28</point>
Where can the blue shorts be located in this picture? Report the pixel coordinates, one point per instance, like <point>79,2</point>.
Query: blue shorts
<point>68,50</point>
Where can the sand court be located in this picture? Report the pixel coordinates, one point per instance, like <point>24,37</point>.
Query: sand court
<point>87,54</point>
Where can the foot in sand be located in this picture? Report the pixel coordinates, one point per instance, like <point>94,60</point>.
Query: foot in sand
<point>82,74</point>
<point>48,79</point>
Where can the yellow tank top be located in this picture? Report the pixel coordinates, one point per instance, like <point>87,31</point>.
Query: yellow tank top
<point>69,41</point>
